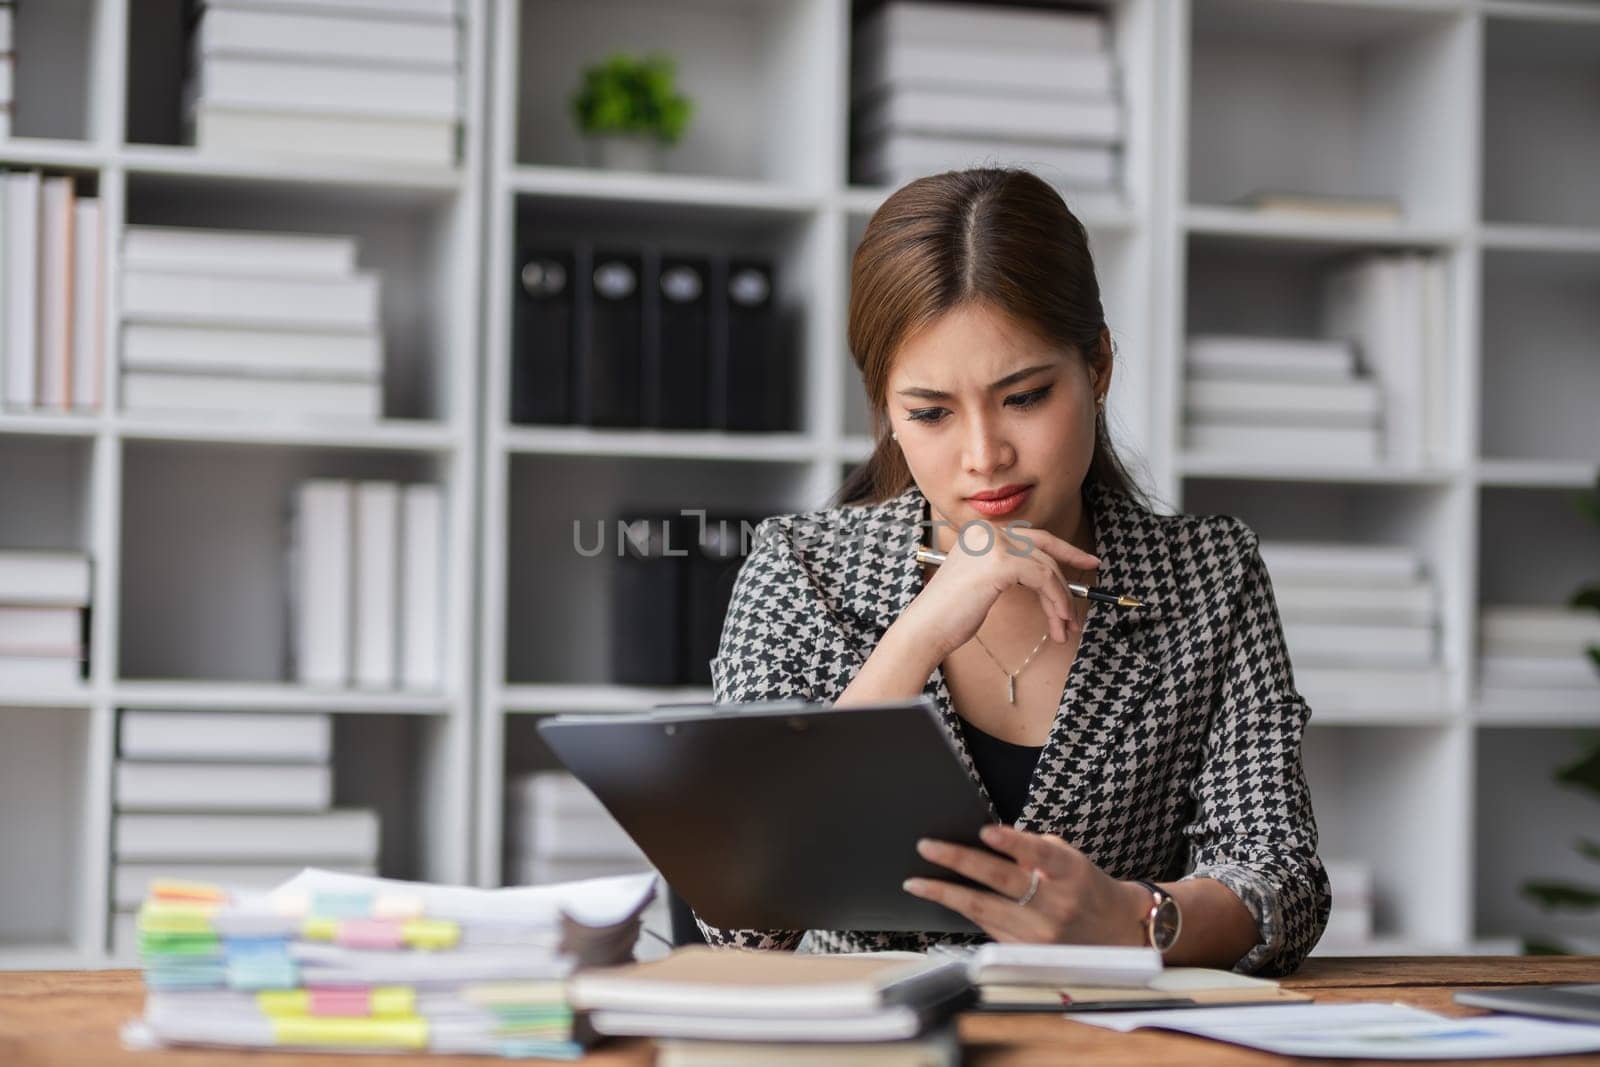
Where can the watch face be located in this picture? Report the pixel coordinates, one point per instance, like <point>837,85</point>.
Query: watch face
<point>1167,924</point>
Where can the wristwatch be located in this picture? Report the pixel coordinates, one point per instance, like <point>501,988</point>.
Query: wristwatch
<point>1164,922</point>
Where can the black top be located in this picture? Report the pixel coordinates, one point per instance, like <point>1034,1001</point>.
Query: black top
<point>1004,767</point>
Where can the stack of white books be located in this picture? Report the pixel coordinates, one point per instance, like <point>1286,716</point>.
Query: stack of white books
<point>940,86</point>
<point>1539,654</point>
<point>558,831</point>
<point>8,65</point>
<point>1361,623</point>
<point>51,304</point>
<point>44,597</point>
<point>1295,399</point>
<point>1350,922</point>
<point>241,798</point>
<point>1394,308</point>
<point>366,586</point>
<point>274,324</point>
<point>375,80</point>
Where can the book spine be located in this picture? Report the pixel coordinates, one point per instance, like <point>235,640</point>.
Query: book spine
<point>422,588</point>
<point>323,582</point>
<point>377,539</point>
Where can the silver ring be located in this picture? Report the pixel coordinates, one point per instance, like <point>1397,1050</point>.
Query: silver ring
<point>1033,887</point>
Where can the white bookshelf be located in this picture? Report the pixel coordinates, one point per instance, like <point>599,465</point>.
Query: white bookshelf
<point>183,518</point>
<point>1478,115</point>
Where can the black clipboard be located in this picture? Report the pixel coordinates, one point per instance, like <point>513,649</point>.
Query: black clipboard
<point>784,814</point>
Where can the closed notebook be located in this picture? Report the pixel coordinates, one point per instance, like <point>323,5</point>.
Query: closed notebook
<point>1175,987</point>
<point>722,983</point>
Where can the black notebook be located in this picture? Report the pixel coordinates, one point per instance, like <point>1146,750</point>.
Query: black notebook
<point>541,336</point>
<point>609,369</point>
<point>677,343</point>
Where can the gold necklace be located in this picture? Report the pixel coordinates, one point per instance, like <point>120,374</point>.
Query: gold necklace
<point>1011,676</point>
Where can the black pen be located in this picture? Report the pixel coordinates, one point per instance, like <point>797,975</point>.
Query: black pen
<point>928,555</point>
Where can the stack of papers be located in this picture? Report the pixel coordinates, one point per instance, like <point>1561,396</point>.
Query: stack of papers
<point>1365,1031</point>
<point>331,960</point>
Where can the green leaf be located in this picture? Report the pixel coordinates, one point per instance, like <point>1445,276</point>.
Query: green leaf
<point>1584,773</point>
<point>1587,597</point>
<point>1561,896</point>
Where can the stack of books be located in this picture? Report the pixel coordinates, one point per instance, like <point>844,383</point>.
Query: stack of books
<point>375,80</point>
<point>44,602</point>
<point>706,1005</point>
<point>8,65</point>
<point>1350,922</point>
<point>274,324</point>
<point>1361,623</point>
<point>244,799</point>
<point>51,304</point>
<point>1296,399</point>
<point>330,962</point>
<point>1539,655</point>
<point>366,566</point>
<point>558,831</point>
<point>942,86</point>
<point>1394,308</point>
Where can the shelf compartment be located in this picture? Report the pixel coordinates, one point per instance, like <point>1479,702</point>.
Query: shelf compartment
<point>204,575</point>
<point>1536,546</point>
<point>1426,520</point>
<point>1541,121</point>
<point>1326,98</point>
<point>1541,368</point>
<point>558,600</point>
<point>750,70</point>
<point>1390,797</point>
<point>793,246</point>
<point>53,95</point>
<point>44,771</point>
<point>426,326</point>
<point>1534,838</point>
<point>387,764</point>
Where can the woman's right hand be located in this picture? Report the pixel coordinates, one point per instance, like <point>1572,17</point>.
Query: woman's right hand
<point>956,600</point>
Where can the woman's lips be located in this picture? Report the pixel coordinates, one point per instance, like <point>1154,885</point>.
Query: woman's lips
<point>1003,505</point>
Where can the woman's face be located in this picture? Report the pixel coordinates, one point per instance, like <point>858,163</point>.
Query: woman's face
<point>981,404</point>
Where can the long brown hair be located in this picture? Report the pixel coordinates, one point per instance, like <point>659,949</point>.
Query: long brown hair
<point>995,236</point>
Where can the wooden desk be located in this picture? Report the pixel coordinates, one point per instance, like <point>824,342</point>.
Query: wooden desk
<point>72,1018</point>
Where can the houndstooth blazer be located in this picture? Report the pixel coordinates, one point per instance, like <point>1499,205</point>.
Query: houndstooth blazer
<point>1176,748</point>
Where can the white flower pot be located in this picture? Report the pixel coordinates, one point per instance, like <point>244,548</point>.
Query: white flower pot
<point>624,151</point>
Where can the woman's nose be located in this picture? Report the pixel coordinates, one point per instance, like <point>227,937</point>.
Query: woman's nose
<point>987,448</point>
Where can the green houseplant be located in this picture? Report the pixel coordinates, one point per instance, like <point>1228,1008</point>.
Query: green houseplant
<point>1583,773</point>
<point>629,108</point>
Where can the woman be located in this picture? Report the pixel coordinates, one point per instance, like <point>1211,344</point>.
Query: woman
<point>1143,762</point>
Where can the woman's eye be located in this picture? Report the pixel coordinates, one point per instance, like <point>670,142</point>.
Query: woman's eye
<point>1028,399</point>
<point>927,414</point>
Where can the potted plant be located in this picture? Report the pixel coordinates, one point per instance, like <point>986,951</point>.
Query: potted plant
<point>629,109</point>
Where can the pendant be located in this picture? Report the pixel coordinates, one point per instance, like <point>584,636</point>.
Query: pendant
<point>1011,688</point>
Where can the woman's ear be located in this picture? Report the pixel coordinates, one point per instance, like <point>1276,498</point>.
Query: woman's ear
<point>1101,362</point>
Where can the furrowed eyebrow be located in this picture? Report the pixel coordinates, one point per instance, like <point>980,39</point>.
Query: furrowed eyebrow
<point>1010,379</point>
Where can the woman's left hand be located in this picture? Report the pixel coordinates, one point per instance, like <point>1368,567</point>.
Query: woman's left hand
<point>1075,902</point>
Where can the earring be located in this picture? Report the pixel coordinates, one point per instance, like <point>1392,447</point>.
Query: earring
<point>893,436</point>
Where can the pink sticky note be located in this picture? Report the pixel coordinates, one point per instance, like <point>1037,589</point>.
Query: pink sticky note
<point>370,933</point>
<point>342,1002</point>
